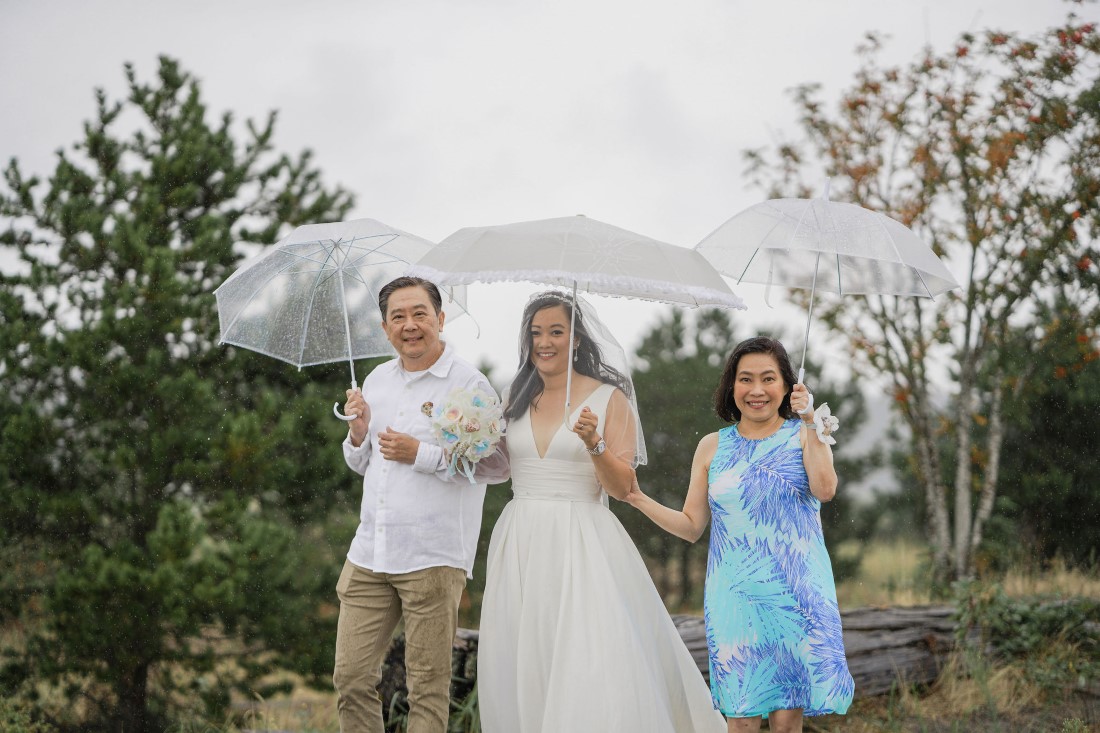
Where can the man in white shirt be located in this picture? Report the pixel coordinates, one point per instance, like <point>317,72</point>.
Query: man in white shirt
<point>418,525</point>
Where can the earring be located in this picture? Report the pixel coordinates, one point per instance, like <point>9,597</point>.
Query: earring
<point>576,355</point>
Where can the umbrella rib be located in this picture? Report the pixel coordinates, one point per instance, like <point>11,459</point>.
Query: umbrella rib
<point>256,291</point>
<point>890,238</point>
<point>753,256</point>
<point>309,308</point>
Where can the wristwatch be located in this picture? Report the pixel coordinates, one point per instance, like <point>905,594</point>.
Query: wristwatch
<point>599,449</point>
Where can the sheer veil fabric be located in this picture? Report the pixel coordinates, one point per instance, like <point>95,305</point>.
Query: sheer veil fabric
<point>600,356</point>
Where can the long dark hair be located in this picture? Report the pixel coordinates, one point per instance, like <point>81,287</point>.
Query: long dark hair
<point>724,406</point>
<point>528,382</point>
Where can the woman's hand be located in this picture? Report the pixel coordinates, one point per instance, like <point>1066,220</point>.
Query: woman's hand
<point>586,428</point>
<point>635,495</point>
<point>800,400</point>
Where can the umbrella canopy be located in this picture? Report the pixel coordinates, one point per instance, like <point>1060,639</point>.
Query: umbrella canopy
<point>577,252</point>
<point>825,245</point>
<point>818,244</point>
<point>312,297</point>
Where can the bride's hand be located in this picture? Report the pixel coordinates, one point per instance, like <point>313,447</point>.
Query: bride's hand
<point>635,494</point>
<point>586,428</point>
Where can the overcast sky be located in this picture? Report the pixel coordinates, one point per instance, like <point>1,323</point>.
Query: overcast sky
<point>448,113</point>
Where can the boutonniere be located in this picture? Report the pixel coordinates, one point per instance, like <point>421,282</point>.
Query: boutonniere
<point>427,408</point>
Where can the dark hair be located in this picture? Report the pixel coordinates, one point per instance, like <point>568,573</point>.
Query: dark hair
<point>408,281</point>
<point>528,382</point>
<point>724,405</point>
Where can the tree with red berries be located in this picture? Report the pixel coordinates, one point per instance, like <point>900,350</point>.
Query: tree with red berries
<point>991,152</point>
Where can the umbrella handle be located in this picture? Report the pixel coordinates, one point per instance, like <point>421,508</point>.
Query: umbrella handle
<point>342,416</point>
<point>354,384</point>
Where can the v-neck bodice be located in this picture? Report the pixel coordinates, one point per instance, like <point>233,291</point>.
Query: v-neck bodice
<point>565,473</point>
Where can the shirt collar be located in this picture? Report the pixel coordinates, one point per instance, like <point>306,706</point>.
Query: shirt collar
<point>441,368</point>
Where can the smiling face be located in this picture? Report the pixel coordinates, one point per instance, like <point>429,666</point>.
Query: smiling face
<point>413,327</point>
<point>758,388</point>
<point>550,352</point>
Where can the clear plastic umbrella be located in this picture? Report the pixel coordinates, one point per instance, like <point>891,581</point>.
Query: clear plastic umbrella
<point>578,253</point>
<point>312,297</point>
<point>818,244</point>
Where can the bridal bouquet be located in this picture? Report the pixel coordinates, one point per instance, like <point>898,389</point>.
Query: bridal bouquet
<point>468,426</point>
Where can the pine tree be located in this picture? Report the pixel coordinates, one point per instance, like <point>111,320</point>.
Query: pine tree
<point>157,486</point>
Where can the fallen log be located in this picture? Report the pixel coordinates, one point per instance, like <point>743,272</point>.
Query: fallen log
<point>885,648</point>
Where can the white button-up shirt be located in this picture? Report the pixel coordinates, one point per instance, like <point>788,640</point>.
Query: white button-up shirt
<point>415,516</point>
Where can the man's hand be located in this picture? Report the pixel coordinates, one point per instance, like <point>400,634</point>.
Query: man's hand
<point>357,405</point>
<point>400,447</point>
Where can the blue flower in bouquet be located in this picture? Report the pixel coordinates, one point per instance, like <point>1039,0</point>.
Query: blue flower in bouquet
<point>468,427</point>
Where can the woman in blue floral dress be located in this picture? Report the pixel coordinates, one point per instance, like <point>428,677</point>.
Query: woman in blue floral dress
<point>773,625</point>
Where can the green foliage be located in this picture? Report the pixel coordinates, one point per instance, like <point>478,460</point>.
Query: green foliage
<point>166,497</point>
<point>1057,637</point>
<point>16,717</point>
<point>1050,460</point>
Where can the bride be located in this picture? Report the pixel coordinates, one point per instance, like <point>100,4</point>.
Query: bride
<point>574,636</point>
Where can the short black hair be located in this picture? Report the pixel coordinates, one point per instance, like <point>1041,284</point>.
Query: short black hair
<point>409,281</point>
<point>724,405</point>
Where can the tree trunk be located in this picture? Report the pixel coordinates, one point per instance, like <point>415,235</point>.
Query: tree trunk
<point>963,473</point>
<point>928,472</point>
<point>992,470</point>
<point>132,699</point>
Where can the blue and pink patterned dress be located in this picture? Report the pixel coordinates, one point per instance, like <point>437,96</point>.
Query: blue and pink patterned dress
<point>773,624</point>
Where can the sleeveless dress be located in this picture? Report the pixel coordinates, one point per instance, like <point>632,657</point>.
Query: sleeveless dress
<point>773,624</point>
<point>574,636</point>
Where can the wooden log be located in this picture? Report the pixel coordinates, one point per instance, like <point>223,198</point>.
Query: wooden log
<point>885,647</point>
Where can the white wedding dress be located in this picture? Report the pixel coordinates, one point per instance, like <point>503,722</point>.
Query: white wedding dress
<point>574,636</point>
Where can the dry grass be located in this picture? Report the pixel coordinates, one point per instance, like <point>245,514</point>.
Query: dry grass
<point>889,575</point>
<point>895,574</point>
<point>970,697</point>
<point>1054,581</point>
<point>306,710</point>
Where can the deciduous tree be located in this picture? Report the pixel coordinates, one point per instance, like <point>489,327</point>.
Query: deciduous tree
<point>991,152</point>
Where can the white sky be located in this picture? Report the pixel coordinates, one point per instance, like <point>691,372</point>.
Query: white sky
<point>441,114</point>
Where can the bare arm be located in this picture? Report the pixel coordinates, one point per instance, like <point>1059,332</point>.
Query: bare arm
<point>614,467</point>
<point>817,457</point>
<point>689,523</point>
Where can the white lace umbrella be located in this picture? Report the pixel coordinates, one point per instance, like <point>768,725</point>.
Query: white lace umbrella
<point>818,244</point>
<point>312,297</point>
<point>579,253</point>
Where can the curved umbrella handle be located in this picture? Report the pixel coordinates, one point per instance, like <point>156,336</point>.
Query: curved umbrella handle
<point>342,416</point>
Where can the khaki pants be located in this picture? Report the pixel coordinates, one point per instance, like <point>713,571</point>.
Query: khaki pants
<point>371,604</point>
